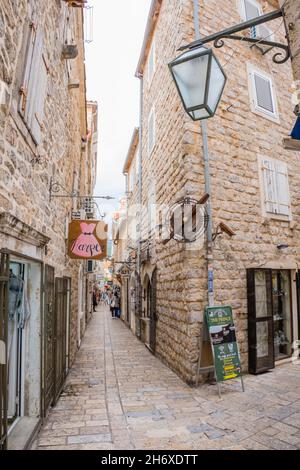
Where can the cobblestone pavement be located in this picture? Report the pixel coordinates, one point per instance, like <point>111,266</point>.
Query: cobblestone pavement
<point>119,396</point>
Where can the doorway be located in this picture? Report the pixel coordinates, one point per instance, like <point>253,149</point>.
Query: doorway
<point>270,318</point>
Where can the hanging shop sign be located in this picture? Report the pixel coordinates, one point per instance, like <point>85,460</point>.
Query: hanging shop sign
<point>224,344</point>
<point>87,239</point>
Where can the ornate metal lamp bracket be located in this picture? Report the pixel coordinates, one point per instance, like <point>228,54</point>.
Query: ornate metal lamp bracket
<point>57,190</point>
<point>230,33</point>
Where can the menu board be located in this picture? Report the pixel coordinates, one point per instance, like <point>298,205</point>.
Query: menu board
<point>223,339</point>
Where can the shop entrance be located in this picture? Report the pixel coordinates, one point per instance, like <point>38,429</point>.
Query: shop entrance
<point>270,318</point>
<point>4,286</point>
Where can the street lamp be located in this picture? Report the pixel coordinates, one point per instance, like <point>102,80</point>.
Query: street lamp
<point>200,81</point>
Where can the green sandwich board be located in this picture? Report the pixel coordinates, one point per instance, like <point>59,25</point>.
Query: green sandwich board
<point>224,344</point>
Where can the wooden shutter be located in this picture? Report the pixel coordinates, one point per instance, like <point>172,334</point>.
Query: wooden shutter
<point>282,186</point>
<point>29,59</point>
<point>263,91</point>
<point>269,178</point>
<point>33,91</point>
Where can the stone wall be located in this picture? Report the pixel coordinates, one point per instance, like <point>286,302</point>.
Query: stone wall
<point>26,169</point>
<point>237,137</point>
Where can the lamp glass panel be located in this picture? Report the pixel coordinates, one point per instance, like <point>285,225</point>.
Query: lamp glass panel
<point>191,78</point>
<point>216,85</point>
<point>200,114</point>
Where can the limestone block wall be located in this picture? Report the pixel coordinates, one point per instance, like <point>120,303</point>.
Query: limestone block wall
<point>237,137</point>
<point>24,176</point>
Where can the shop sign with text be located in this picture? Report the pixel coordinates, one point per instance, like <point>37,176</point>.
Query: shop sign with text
<point>223,340</point>
<point>87,239</point>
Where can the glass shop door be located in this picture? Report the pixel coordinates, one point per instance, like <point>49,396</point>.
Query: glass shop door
<point>15,340</point>
<point>282,314</point>
<point>260,320</point>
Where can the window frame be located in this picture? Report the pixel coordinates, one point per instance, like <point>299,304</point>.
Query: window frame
<point>255,108</point>
<point>265,212</point>
<point>152,53</point>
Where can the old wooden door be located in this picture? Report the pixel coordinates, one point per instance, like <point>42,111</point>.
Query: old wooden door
<point>153,316</point>
<point>4,290</point>
<point>48,339</point>
<point>61,313</point>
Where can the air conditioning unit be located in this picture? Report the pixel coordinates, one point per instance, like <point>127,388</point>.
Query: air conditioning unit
<point>88,205</point>
<point>90,268</point>
<point>79,215</point>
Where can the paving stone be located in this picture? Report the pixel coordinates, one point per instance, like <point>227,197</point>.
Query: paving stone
<point>146,406</point>
<point>89,439</point>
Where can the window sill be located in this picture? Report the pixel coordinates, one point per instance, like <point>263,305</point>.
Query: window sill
<point>262,114</point>
<point>267,218</point>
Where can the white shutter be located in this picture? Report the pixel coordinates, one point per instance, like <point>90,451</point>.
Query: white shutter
<point>282,186</point>
<point>248,10</point>
<point>241,9</point>
<point>33,81</point>
<point>252,9</point>
<point>28,64</point>
<point>38,117</point>
<point>35,85</point>
<point>151,62</point>
<point>263,32</point>
<point>269,179</point>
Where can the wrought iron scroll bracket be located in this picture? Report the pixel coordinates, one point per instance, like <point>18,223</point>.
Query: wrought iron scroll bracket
<point>57,190</point>
<point>280,57</point>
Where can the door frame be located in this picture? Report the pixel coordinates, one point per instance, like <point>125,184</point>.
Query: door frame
<point>294,286</point>
<point>153,310</point>
<point>21,256</point>
<point>4,273</point>
<point>253,321</point>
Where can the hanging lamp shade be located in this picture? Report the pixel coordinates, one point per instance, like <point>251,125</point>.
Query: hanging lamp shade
<point>200,81</point>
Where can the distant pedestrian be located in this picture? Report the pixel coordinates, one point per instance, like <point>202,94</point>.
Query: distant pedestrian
<point>95,303</point>
<point>117,305</point>
<point>111,303</point>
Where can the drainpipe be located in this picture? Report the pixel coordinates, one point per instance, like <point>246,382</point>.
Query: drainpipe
<point>209,256</point>
<point>140,197</point>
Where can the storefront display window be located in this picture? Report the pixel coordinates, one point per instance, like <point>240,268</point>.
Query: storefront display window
<point>282,313</point>
<point>270,332</point>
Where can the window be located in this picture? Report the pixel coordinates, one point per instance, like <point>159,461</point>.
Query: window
<point>151,63</point>
<point>151,132</point>
<point>262,94</point>
<point>151,209</point>
<point>34,87</point>
<point>250,9</point>
<point>275,187</point>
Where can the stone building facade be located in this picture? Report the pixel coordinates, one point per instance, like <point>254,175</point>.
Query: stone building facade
<point>48,139</point>
<point>254,191</point>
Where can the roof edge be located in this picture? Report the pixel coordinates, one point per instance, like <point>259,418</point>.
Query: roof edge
<point>151,23</point>
<point>132,147</point>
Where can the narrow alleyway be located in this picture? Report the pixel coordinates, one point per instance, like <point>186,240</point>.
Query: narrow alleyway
<point>119,396</point>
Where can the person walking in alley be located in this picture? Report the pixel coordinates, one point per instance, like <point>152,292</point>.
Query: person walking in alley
<point>117,304</point>
<point>111,303</point>
<point>95,303</point>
